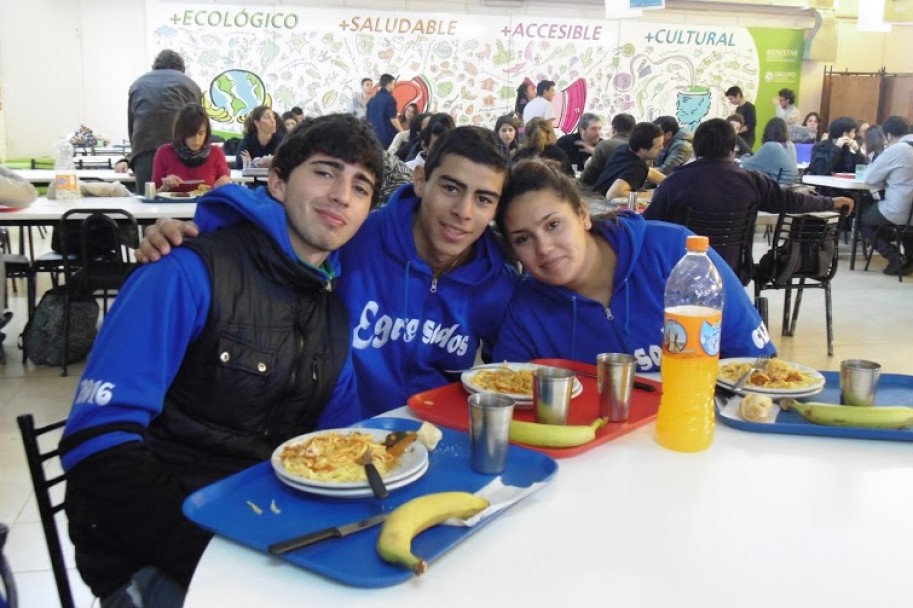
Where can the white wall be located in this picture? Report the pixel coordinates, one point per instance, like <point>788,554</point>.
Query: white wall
<point>69,62</point>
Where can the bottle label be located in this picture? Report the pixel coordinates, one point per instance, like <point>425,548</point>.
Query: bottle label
<point>65,181</point>
<point>692,335</point>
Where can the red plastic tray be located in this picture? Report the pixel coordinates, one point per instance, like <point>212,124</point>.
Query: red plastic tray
<point>447,406</point>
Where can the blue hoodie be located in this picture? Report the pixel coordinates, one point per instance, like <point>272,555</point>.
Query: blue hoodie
<point>407,325</point>
<point>159,311</point>
<point>545,321</point>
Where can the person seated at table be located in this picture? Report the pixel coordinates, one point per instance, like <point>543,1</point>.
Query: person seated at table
<point>581,144</point>
<point>212,358</point>
<point>892,172</point>
<point>540,143</point>
<point>507,127</point>
<point>813,121</point>
<point>677,148</point>
<point>413,141</point>
<point>426,281</point>
<point>839,153</point>
<point>595,284</point>
<point>289,121</point>
<point>437,125</point>
<point>622,124</point>
<point>260,139</point>
<point>741,146</point>
<point>776,158</point>
<point>874,143</point>
<point>406,118</point>
<point>190,155</point>
<point>628,169</point>
<point>715,183</point>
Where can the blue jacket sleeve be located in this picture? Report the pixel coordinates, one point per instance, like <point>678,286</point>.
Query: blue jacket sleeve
<point>139,349</point>
<point>343,408</point>
<point>743,332</point>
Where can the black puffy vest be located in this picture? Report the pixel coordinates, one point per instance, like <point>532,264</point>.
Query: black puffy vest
<point>264,366</point>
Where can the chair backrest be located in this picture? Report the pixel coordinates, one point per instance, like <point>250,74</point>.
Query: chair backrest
<point>804,247</point>
<point>231,145</point>
<point>731,235</point>
<point>106,238</point>
<point>46,507</point>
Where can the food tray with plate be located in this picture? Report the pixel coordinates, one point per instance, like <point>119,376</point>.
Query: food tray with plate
<point>815,386</point>
<point>223,509</point>
<point>523,401</point>
<point>447,406</point>
<point>893,389</point>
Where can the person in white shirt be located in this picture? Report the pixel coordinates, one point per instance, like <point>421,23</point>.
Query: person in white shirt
<point>892,171</point>
<point>541,106</point>
<point>785,107</point>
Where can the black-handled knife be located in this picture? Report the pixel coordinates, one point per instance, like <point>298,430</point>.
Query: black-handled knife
<point>315,537</point>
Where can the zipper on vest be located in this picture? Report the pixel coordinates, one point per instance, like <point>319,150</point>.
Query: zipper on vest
<point>314,369</point>
<point>433,284</point>
<point>608,314</point>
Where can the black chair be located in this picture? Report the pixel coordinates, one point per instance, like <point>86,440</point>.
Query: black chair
<point>895,233</point>
<point>47,508</point>
<point>107,163</point>
<point>731,236</point>
<point>106,239</point>
<point>803,256</point>
<point>231,145</point>
<point>8,592</point>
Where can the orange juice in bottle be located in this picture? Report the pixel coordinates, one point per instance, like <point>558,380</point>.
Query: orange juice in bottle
<point>691,351</point>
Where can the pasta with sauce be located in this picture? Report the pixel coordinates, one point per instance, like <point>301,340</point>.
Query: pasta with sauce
<point>335,457</point>
<point>777,375</point>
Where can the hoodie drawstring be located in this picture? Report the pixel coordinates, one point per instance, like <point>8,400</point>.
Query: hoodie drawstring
<point>407,269</point>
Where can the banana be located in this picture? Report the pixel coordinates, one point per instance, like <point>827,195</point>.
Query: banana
<point>413,517</point>
<point>554,435</point>
<point>890,417</point>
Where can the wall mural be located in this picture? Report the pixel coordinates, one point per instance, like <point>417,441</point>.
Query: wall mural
<point>469,65</point>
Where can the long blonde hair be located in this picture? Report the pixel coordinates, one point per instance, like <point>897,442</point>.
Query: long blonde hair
<point>539,134</point>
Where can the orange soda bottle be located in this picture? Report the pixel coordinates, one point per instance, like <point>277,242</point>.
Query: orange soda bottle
<point>691,350</point>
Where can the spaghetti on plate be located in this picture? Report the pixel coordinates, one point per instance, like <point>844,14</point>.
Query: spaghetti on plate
<point>504,380</point>
<point>336,457</point>
<point>778,374</point>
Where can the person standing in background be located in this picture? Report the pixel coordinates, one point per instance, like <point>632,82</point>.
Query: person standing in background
<point>155,98</point>
<point>526,92</point>
<point>747,111</point>
<point>381,112</point>
<point>359,104</point>
<point>785,107</point>
<point>541,106</point>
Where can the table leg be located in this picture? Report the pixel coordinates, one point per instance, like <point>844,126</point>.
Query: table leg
<point>857,222</point>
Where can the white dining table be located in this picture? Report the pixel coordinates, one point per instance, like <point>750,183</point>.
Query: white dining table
<point>47,212</point>
<point>46,176</point>
<point>757,520</point>
<point>856,189</point>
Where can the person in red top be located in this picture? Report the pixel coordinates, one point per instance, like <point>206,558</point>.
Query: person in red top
<point>190,155</point>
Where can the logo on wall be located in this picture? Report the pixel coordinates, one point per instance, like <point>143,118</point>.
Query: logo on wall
<point>233,94</point>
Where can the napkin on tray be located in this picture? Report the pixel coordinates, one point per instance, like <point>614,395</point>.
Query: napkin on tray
<point>501,496</point>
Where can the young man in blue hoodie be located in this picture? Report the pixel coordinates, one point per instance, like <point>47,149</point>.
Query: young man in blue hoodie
<point>426,281</point>
<point>214,357</point>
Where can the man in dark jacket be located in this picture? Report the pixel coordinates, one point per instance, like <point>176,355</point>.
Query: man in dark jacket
<point>839,153</point>
<point>715,183</point>
<point>627,171</point>
<point>622,124</point>
<point>677,148</point>
<point>580,145</point>
<point>154,100</point>
<point>381,111</point>
<point>212,358</point>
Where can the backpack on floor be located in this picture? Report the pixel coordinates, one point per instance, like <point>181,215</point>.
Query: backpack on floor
<point>42,338</point>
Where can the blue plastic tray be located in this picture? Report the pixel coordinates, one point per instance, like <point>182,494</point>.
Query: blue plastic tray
<point>893,389</point>
<point>222,508</point>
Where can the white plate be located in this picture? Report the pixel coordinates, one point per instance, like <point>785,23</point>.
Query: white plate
<point>176,196</point>
<point>806,391</point>
<point>352,492</point>
<point>523,401</point>
<point>413,459</point>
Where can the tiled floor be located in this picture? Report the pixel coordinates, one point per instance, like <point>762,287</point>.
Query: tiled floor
<point>872,314</point>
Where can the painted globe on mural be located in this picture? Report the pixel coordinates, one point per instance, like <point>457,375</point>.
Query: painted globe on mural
<point>237,92</point>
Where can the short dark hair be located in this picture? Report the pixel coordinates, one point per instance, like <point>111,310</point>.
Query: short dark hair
<point>439,124</point>
<point>475,144</point>
<point>623,123</point>
<point>736,118</point>
<point>733,92</point>
<point>898,126</point>
<point>168,60</point>
<point>297,111</point>
<point>536,175</point>
<point>643,134</point>
<point>366,79</point>
<point>839,126</point>
<point>668,124</point>
<point>341,136</point>
<point>586,119</point>
<point>775,130</point>
<point>188,121</point>
<point>714,138</point>
<point>543,86</point>
<point>385,79</point>
<point>788,95</point>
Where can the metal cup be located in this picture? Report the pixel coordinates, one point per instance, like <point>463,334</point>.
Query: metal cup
<point>615,378</point>
<point>150,190</point>
<point>552,389</point>
<point>858,379</point>
<point>632,200</point>
<point>489,425</point>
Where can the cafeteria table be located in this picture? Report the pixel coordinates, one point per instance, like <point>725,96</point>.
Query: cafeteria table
<point>857,190</point>
<point>46,176</point>
<point>757,520</point>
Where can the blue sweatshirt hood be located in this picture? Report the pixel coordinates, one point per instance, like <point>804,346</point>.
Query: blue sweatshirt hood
<point>230,204</point>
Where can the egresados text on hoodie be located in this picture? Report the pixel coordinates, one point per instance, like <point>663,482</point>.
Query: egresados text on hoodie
<point>375,331</point>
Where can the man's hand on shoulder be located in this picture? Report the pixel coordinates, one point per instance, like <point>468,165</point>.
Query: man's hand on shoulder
<point>159,239</point>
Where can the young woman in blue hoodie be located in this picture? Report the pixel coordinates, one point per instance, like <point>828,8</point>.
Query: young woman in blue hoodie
<point>595,285</point>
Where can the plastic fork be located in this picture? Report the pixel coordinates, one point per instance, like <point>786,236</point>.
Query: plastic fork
<point>760,365</point>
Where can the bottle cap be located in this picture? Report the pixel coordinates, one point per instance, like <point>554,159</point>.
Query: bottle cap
<point>697,243</point>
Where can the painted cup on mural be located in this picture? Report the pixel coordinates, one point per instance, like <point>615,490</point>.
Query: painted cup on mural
<point>692,106</point>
